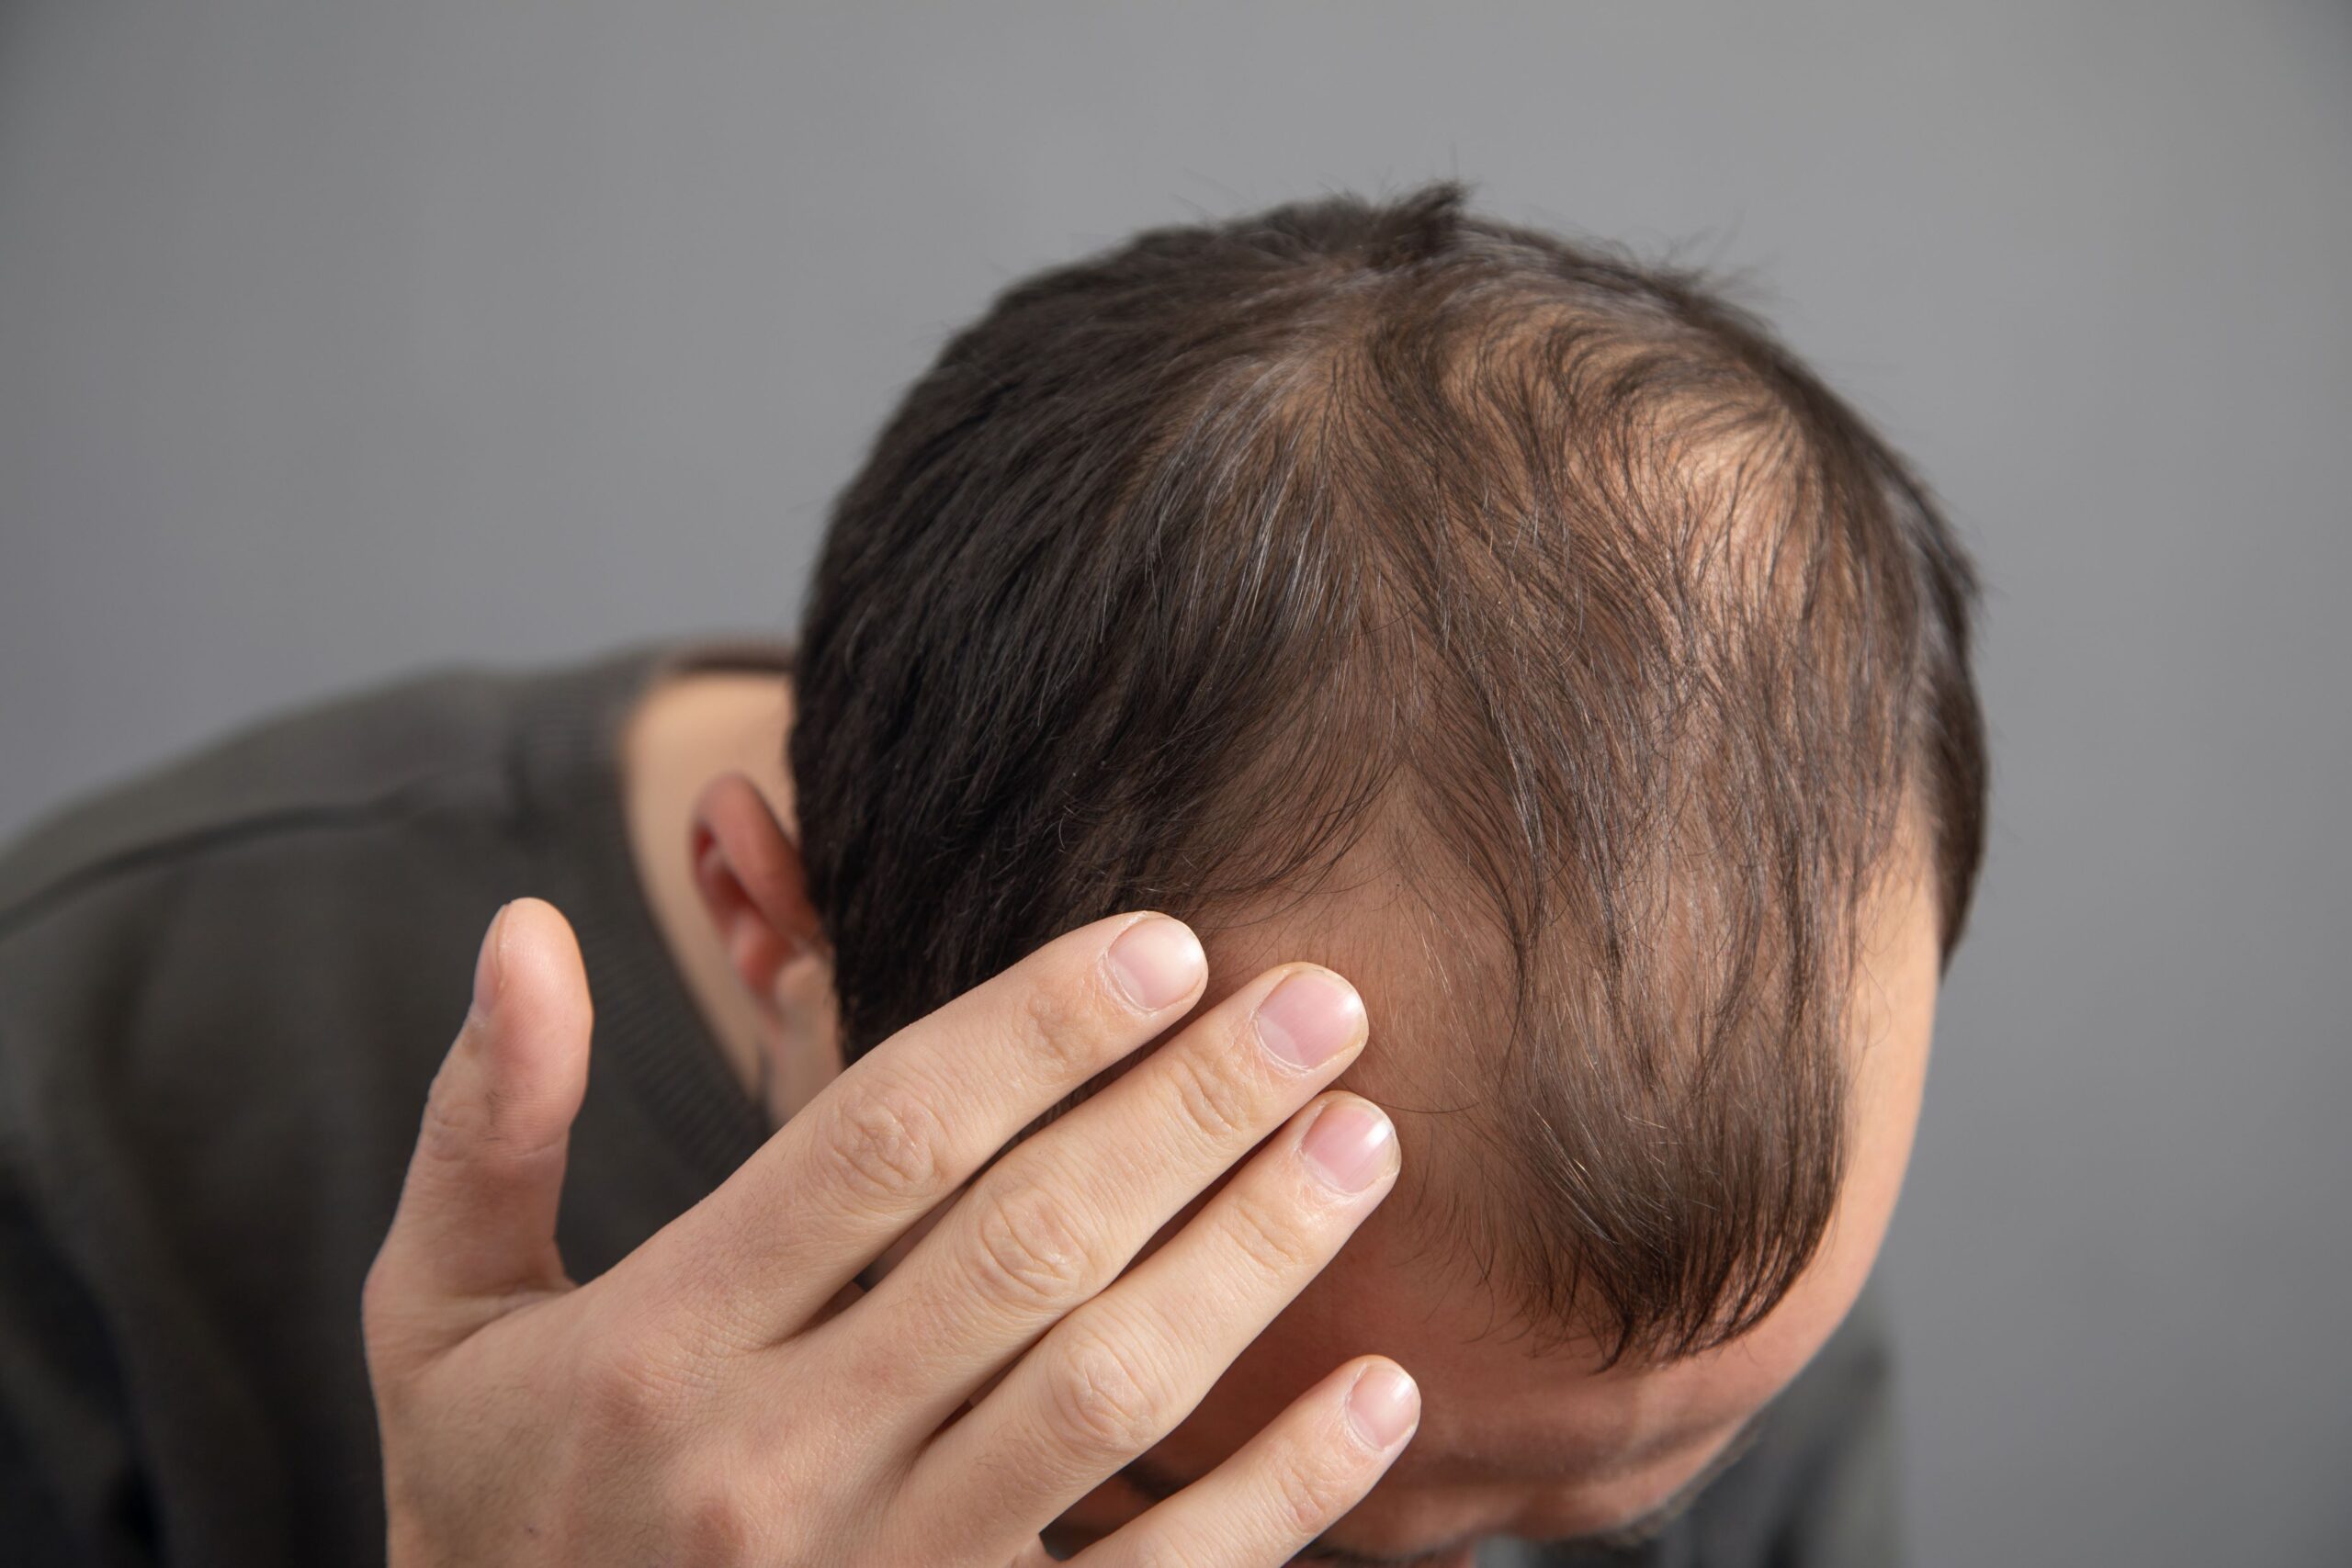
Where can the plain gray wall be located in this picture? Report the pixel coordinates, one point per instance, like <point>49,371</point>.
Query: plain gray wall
<point>336,338</point>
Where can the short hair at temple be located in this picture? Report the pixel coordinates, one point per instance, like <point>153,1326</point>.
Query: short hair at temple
<point>1193,562</point>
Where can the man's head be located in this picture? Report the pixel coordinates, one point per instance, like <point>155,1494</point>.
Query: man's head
<point>1522,633</point>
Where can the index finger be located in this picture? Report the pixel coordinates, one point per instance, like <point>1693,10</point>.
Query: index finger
<point>895,1133</point>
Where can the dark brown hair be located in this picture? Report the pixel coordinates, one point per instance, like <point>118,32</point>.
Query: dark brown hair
<point>1192,563</point>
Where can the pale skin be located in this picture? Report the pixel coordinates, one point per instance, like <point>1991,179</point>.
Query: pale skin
<point>1135,1333</point>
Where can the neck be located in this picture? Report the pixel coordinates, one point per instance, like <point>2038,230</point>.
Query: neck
<point>685,732</point>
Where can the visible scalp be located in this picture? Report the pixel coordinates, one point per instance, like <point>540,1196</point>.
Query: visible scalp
<point>1196,560</point>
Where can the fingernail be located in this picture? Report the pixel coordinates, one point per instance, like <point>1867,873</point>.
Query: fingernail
<point>1383,1406</point>
<point>1156,962</point>
<point>490,966</point>
<point>1346,1144</point>
<point>1309,1017</point>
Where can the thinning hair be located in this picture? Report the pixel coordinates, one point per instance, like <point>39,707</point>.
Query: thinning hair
<point>1192,563</point>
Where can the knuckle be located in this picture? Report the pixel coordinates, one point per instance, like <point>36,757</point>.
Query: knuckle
<point>1026,1250</point>
<point>884,1147</point>
<point>1102,1402</point>
<point>377,1292</point>
<point>1066,1024</point>
<point>1214,1098</point>
<point>1269,1239</point>
<point>632,1396</point>
<point>1307,1490</point>
<point>713,1526</point>
<point>378,1313</point>
<point>454,1123</point>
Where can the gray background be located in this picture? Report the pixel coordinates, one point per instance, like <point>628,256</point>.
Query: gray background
<point>336,338</point>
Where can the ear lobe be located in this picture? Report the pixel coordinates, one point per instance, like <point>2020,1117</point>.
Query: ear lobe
<point>747,869</point>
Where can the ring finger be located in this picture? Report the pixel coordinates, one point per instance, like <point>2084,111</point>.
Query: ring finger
<point>1115,1376</point>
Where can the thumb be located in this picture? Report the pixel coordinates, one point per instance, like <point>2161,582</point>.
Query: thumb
<point>476,1222</point>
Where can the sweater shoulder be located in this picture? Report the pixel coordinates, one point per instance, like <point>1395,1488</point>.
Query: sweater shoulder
<point>287,905</point>
<point>351,759</point>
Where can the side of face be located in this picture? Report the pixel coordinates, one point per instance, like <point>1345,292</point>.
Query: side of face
<point>1541,1443</point>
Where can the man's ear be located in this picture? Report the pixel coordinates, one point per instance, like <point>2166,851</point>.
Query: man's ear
<point>747,869</point>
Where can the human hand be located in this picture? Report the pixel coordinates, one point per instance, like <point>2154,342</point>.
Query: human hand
<point>725,1395</point>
